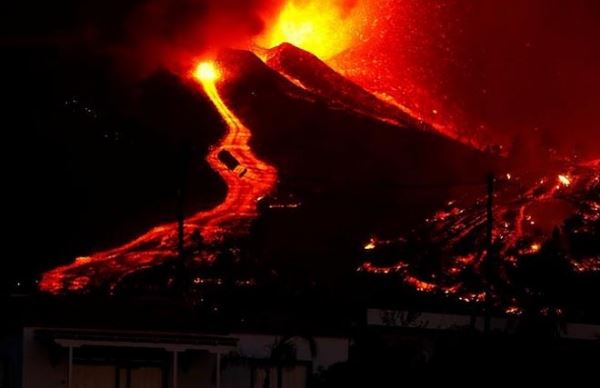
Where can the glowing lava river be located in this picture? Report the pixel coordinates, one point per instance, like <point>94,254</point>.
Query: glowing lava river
<point>540,225</point>
<point>247,178</point>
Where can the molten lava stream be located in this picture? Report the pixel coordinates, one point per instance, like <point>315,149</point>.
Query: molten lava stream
<point>246,183</point>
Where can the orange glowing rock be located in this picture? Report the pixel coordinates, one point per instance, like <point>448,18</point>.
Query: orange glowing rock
<point>372,244</point>
<point>420,285</point>
<point>513,310</point>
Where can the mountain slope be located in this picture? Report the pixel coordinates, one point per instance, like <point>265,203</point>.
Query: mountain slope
<point>316,76</point>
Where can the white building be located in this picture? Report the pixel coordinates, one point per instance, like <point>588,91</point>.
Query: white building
<point>77,358</point>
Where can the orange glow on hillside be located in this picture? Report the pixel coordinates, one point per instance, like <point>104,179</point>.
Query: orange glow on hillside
<point>323,27</point>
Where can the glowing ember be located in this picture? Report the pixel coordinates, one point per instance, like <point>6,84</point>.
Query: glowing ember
<point>566,216</point>
<point>420,285</point>
<point>535,247</point>
<point>564,180</point>
<point>513,310</point>
<point>372,244</point>
<point>249,181</point>
<point>323,27</point>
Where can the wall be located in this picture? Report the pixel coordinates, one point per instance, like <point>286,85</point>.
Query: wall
<point>42,368</point>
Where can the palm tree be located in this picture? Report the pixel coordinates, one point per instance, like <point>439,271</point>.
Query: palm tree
<point>284,354</point>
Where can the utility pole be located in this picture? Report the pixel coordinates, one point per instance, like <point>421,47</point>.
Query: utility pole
<point>180,204</point>
<point>182,167</point>
<point>490,246</point>
<point>180,224</point>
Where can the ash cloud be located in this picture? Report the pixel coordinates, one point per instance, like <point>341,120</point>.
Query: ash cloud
<point>172,33</point>
<point>140,34</point>
<point>143,35</point>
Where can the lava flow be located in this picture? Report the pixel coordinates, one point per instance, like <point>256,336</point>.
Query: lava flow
<point>247,179</point>
<point>539,224</point>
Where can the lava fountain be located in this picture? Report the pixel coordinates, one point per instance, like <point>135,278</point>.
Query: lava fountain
<point>325,28</point>
<point>247,178</point>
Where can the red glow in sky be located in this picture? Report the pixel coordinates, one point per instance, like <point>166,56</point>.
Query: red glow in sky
<point>499,70</point>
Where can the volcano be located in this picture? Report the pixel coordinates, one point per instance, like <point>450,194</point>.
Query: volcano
<point>352,162</point>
